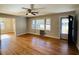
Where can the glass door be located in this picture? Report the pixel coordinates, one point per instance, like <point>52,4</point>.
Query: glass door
<point>64,28</point>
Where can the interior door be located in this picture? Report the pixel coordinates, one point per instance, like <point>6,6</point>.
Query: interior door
<point>72,32</point>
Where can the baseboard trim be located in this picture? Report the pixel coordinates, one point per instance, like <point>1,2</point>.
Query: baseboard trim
<point>46,36</point>
<point>20,34</point>
<point>52,37</point>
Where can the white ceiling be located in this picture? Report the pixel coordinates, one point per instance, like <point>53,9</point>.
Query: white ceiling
<point>16,9</point>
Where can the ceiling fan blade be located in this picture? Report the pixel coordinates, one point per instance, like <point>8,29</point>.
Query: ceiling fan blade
<point>26,13</point>
<point>33,13</point>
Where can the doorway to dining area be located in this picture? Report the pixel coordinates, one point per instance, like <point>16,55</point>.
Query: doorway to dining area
<point>7,25</point>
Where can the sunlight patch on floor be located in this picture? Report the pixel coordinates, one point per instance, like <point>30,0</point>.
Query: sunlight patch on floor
<point>5,36</point>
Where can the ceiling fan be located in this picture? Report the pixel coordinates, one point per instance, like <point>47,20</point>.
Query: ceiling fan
<point>31,10</point>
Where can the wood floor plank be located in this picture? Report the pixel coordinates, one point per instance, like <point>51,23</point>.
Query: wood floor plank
<point>34,45</point>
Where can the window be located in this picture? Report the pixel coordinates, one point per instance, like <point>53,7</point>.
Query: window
<point>33,24</point>
<point>41,24</point>
<point>64,29</point>
<point>48,23</point>
<point>2,25</point>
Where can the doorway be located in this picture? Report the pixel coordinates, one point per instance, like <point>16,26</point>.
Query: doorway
<point>7,26</point>
<point>64,28</point>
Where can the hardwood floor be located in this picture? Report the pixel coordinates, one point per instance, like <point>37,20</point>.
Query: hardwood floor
<point>34,45</point>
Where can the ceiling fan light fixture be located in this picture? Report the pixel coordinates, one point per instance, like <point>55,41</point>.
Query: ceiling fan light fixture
<point>29,14</point>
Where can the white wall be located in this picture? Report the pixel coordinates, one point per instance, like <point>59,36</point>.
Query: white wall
<point>21,25</point>
<point>55,24</point>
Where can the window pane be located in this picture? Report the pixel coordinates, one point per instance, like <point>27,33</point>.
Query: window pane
<point>33,24</point>
<point>65,26</point>
<point>40,24</point>
<point>48,24</point>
